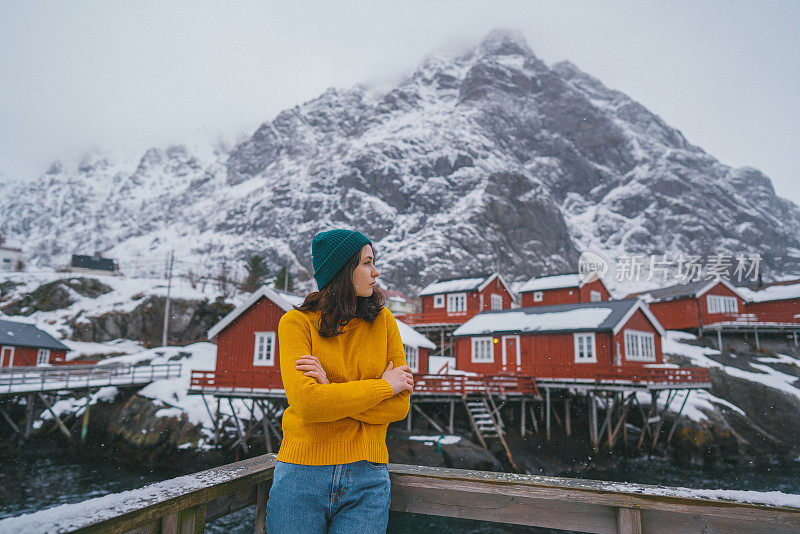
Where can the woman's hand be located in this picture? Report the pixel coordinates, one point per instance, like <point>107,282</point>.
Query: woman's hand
<point>400,378</point>
<point>312,367</point>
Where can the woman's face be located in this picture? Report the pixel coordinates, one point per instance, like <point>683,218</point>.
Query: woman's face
<point>365,274</point>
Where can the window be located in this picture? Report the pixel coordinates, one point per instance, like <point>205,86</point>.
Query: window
<point>720,304</point>
<point>538,296</point>
<point>456,302</point>
<point>595,296</point>
<point>585,350</point>
<point>639,346</point>
<point>482,350</point>
<point>412,357</point>
<point>438,301</point>
<point>497,301</point>
<point>43,356</point>
<point>264,349</point>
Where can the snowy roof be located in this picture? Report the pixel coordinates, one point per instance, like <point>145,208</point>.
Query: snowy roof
<point>681,291</point>
<point>27,335</point>
<point>465,284</point>
<point>286,301</point>
<point>583,316</point>
<point>451,286</point>
<point>774,292</point>
<point>412,338</point>
<point>551,282</point>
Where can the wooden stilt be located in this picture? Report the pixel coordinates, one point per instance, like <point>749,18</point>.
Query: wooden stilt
<point>238,426</point>
<point>670,397</point>
<point>61,426</point>
<point>647,419</point>
<point>450,426</point>
<point>85,422</point>
<point>678,417</point>
<point>606,419</point>
<point>10,421</point>
<point>567,419</point>
<point>556,416</point>
<point>623,417</point>
<point>533,419</point>
<point>547,414</point>
<point>213,418</point>
<point>265,426</point>
<point>433,423</point>
<point>29,415</point>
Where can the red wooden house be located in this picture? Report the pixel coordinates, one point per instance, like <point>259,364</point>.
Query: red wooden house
<point>588,340</point>
<point>776,304</point>
<point>452,302</point>
<point>562,289</point>
<point>695,305</point>
<point>23,344</point>
<point>248,353</point>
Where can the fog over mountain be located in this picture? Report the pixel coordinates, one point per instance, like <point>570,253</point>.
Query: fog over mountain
<point>490,156</point>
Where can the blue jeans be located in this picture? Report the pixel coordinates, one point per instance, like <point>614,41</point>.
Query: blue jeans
<point>337,499</point>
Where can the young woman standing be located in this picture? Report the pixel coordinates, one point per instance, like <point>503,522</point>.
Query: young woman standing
<point>345,376</point>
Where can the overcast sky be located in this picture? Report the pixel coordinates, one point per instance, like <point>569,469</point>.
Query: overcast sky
<point>126,76</point>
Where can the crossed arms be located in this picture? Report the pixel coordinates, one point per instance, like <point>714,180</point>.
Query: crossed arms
<point>370,401</point>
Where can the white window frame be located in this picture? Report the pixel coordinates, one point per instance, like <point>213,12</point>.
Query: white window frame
<point>595,296</point>
<point>479,352</point>
<point>43,356</point>
<point>269,357</point>
<point>497,301</point>
<point>412,357</point>
<point>7,349</point>
<point>438,301</point>
<point>722,304</point>
<point>582,341</point>
<point>538,296</point>
<point>639,346</point>
<point>453,301</point>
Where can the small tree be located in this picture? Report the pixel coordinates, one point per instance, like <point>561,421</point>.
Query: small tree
<point>257,271</point>
<point>283,280</point>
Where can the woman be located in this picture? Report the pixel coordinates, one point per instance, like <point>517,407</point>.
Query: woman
<point>345,376</point>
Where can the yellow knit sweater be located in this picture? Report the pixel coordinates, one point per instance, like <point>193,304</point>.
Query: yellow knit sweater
<point>345,420</point>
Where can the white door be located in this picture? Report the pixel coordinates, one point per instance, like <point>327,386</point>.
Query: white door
<point>511,352</point>
<point>6,356</point>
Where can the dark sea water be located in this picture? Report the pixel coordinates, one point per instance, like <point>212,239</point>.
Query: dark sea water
<point>29,483</point>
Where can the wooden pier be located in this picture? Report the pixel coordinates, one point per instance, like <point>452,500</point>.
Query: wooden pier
<point>186,504</point>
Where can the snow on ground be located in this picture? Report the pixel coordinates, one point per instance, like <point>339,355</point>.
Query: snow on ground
<point>173,391</point>
<point>125,295</point>
<point>674,342</point>
<point>89,348</point>
<point>441,439</point>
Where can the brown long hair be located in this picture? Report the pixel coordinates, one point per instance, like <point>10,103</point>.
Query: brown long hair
<point>339,302</point>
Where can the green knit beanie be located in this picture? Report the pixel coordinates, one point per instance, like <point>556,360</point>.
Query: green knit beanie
<point>330,251</point>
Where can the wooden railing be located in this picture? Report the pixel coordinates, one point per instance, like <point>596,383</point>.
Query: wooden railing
<point>186,504</point>
<point>49,378</point>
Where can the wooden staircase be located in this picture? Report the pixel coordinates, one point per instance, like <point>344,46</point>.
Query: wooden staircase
<point>486,422</point>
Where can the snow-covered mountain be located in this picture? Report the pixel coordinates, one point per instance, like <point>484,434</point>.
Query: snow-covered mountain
<point>489,153</point>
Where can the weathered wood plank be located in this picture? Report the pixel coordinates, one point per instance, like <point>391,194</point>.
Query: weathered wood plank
<point>260,526</point>
<point>169,524</point>
<point>629,521</point>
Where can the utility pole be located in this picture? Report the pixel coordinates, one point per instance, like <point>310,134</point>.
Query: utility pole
<point>166,304</point>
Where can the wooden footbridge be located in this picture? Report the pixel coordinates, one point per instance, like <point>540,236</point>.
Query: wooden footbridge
<point>42,385</point>
<point>186,504</point>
